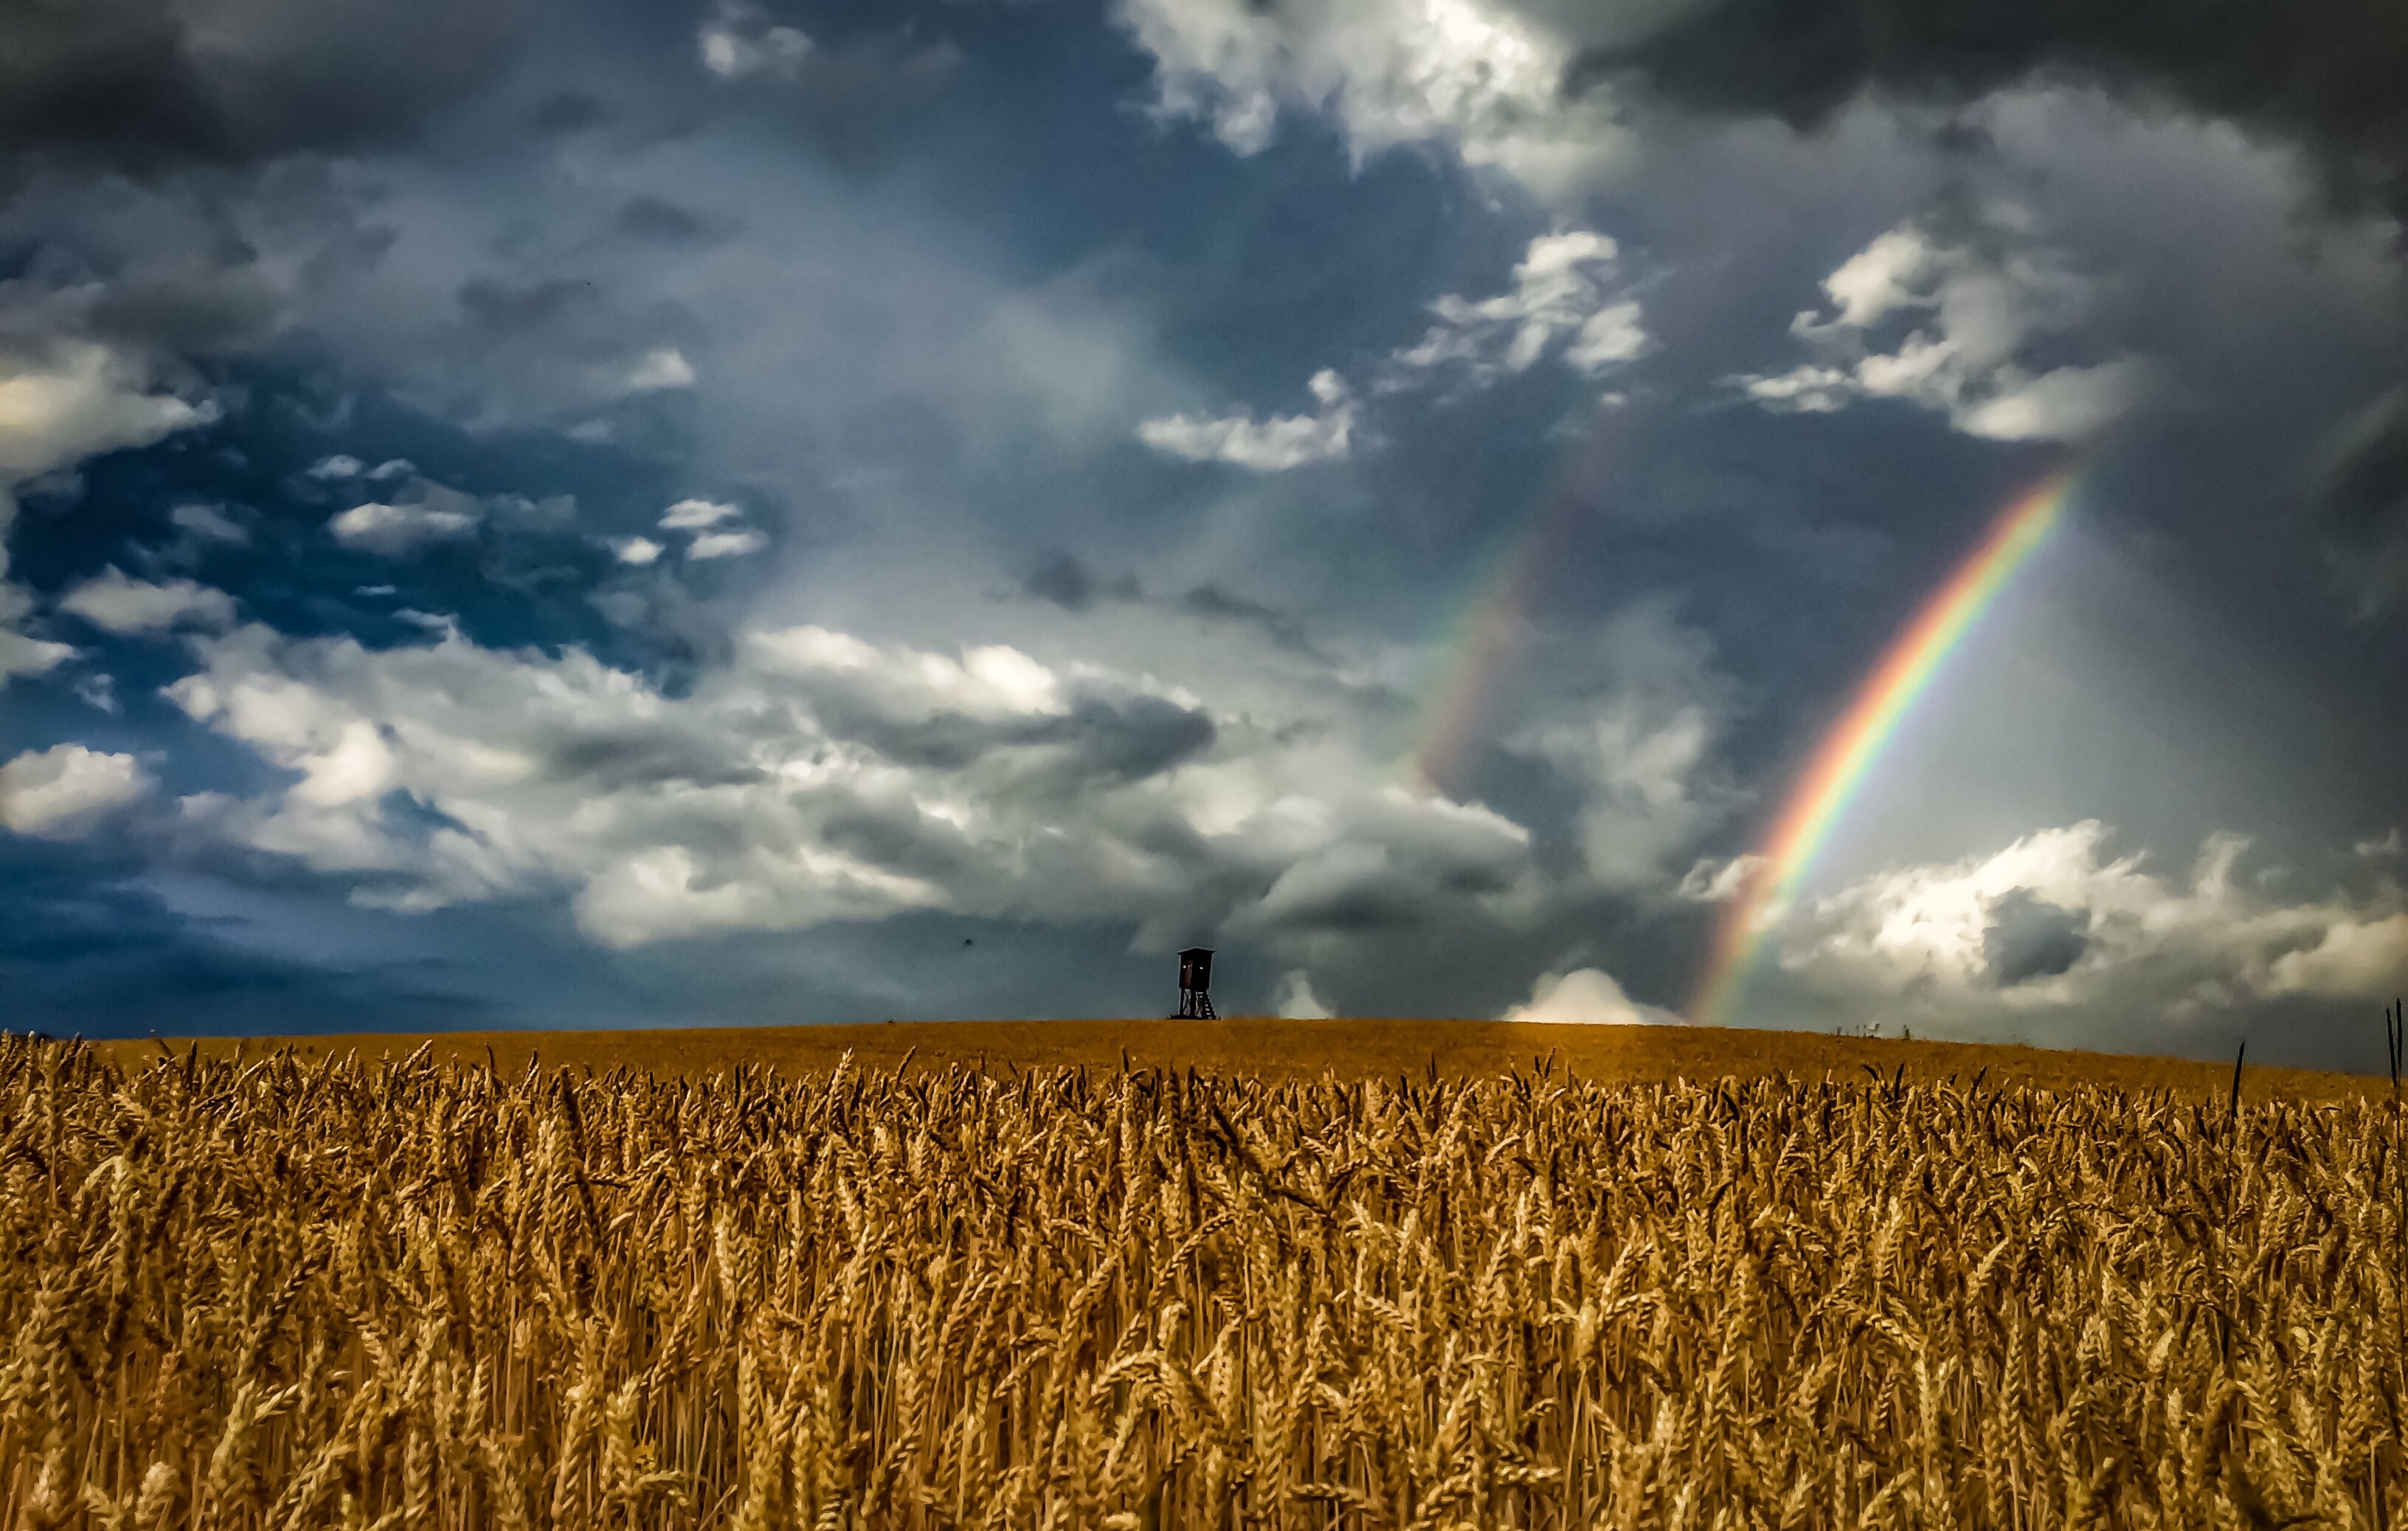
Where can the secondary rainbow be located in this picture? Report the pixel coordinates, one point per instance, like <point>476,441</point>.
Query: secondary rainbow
<point>1846,755</point>
<point>1478,646</point>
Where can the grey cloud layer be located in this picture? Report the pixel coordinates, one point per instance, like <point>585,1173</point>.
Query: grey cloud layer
<point>2360,494</point>
<point>825,778</point>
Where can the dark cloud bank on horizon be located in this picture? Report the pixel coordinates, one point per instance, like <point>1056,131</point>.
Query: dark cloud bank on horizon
<point>2325,73</point>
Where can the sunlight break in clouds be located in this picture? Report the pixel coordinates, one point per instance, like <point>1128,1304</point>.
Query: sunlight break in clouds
<point>1481,78</point>
<point>1951,931</point>
<point>738,40</point>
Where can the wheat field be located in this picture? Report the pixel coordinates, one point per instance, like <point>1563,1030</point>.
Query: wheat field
<point>405,1294</point>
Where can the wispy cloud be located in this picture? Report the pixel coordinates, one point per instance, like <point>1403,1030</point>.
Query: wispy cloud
<point>1269,446</point>
<point>1960,314</point>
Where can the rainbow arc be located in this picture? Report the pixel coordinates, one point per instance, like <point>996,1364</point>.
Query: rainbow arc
<point>1844,758</point>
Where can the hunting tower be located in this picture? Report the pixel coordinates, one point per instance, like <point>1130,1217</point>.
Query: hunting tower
<point>1195,979</point>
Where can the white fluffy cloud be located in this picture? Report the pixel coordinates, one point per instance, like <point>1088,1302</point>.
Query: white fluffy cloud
<point>822,777</point>
<point>116,604</point>
<point>699,517</point>
<point>1271,446</point>
<point>663,368</point>
<point>694,515</point>
<point>65,791</point>
<point>1943,322</point>
<point>1296,1000</point>
<point>59,404</point>
<point>2121,932</point>
<point>734,544</point>
<point>1586,996</point>
<point>428,513</point>
<point>1711,882</point>
<point>738,40</point>
<point>24,655</point>
<point>80,399</point>
<point>1478,77</point>
<point>1565,301</point>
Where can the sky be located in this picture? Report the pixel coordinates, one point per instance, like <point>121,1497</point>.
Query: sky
<point>521,515</point>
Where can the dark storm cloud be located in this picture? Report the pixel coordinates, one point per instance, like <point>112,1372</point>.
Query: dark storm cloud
<point>2028,937</point>
<point>1129,739</point>
<point>1214,604</point>
<point>898,838</point>
<point>662,222</point>
<point>614,759</point>
<point>570,112</point>
<point>2326,72</point>
<point>2360,498</point>
<point>150,82</point>
<point>502,309</point>
<point>87,947</point>
<point>1072,583</point>
<point>191,312</point>
<point>1098,739</point>
<point>1357,907</point>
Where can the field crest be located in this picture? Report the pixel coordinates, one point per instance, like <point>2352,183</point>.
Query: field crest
<point>1279,1050</point>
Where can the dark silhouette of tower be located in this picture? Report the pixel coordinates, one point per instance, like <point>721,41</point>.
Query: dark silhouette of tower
<point>1195,979</point>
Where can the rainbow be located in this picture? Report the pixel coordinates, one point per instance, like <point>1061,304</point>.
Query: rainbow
<point>1484,639</point>
<point>1487,631</point>
<point>1845,757</point>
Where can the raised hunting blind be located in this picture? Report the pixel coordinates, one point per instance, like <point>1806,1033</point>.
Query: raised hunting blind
<point>1195,979</point>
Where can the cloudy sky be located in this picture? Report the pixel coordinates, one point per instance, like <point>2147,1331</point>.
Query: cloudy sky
<point>532,515</point>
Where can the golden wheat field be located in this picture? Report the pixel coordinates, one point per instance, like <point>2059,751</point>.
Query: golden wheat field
<point>410,1293</point>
